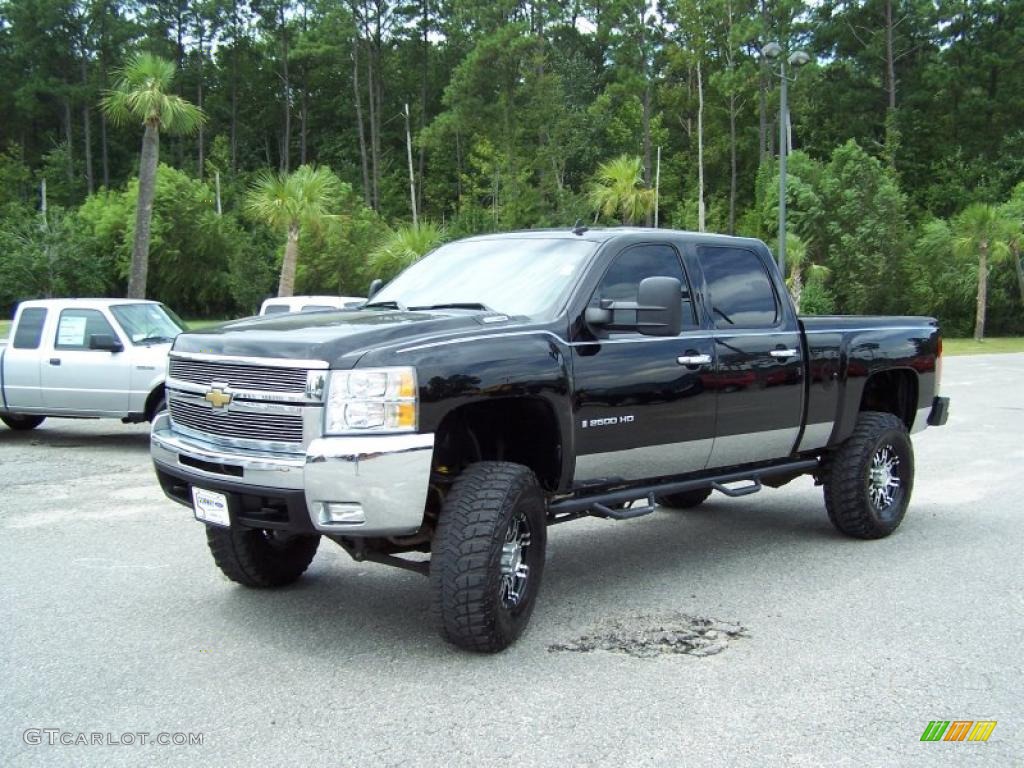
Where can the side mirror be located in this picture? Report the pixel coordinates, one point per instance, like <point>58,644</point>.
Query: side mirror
<point>659,306</point>
<point>658,310</point>
<point>375,285</point>
<point>106,342</point>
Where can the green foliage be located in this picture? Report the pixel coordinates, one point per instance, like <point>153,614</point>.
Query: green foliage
<point>142,92</point>
<point>513,109</point>
<point>865,231</point>
<point>49,256</point>
<point>616,191</point>
<point>940,282</point>
<point>191,247</point>
<point>304,198</point>
<point>403,246</point>
<point>817,299</point>
<point>335,255</point>
<point>15,179</point>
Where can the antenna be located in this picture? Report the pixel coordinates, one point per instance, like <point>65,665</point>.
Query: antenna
<point>579,227</point>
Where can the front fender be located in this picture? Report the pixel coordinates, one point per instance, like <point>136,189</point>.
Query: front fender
<point>456,372</point>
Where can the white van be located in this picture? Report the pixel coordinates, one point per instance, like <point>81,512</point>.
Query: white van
<point>308,304</point>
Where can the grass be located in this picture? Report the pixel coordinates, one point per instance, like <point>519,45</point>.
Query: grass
<point>197,325</point>
<point>991,346</point>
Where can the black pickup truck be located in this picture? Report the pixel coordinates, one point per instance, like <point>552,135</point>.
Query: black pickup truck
<point>509,382</point>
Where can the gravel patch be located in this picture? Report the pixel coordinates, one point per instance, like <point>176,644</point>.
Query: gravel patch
<point>647,637</point>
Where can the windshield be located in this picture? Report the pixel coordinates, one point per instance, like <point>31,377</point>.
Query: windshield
<point>527,276</point>
<point>148,323</point>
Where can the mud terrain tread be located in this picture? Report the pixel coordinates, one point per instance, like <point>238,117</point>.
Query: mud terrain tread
<point>468,541</point>
<point>845,497</point>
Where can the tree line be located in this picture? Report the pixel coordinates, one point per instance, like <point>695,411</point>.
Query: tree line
<point>474,116</point>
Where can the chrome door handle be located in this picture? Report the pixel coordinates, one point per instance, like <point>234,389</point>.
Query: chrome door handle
<point>694,360</point>
<point>783,353</point>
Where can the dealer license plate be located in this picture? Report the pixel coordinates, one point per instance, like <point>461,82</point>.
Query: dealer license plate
<point>210,507</point>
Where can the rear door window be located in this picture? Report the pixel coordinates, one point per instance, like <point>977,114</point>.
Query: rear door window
<point>29,332</point>
<point>740,293</point>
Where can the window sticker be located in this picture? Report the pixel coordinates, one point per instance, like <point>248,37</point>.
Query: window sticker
<point>71,331</point>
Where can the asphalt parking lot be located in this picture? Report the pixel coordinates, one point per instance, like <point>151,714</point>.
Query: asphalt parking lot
<point>114,620</point>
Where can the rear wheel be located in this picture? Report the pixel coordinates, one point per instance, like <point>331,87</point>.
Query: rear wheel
<point>22,422</point>
<point>260,558</point>
<point>685,499</point>
<point>868,481</point>
<point>488,556</point>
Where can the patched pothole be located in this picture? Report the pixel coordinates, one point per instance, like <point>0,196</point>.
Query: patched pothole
<point>649,636</point>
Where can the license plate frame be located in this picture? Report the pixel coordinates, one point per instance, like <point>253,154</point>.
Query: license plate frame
<point>211,507</point>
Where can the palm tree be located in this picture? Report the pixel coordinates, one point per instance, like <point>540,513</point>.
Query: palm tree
<point>981,232</point>
<point>617,190</point>
<point>290,202</point>
<point>405,245</point>
<point>800,266</point>
<point>142,92</point>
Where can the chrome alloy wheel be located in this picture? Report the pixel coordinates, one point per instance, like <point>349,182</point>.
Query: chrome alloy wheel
<point>514,571</point>
<point>884,477</point>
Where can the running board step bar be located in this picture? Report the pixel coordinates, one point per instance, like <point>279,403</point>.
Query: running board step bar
<point>745,490</point>
<point>623,513</point>
<point>614,504</point>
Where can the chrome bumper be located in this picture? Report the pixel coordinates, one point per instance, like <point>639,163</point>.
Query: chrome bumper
<point>375,485</point>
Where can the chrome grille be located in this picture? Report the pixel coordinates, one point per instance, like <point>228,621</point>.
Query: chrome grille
<point>239,425</point>
<point>264,378</point>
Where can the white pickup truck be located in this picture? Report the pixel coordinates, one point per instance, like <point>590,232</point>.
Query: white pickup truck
<point>85,358</point>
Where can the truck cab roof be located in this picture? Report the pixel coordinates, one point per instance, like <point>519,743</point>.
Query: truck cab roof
<point>91,303</point>
<point>604,234</point>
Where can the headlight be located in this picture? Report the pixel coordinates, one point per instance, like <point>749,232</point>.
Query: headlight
<point>371,400</point>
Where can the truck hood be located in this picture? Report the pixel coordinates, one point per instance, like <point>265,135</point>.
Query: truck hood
<point>340,338</point>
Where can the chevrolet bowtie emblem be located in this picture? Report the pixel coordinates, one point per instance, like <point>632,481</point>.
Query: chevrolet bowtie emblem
<point>218,398</point>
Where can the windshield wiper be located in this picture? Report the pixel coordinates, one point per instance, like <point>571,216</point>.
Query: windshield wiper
<point>385,305</point>
<point>456,305</point>
<point>155,339</point>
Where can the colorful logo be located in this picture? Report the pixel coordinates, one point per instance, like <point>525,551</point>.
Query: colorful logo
<point>958,730</point>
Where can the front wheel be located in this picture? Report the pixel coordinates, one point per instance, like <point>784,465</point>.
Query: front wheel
<point>488,556</point>
<point>869,479</point>
<point>260,558</point>
<point>22,422</point>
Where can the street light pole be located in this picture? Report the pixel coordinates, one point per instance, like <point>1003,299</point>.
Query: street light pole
<point>796,59</point>
<point>783,151</point>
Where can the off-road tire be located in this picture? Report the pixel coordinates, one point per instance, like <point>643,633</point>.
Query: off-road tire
<point>847,477</point>
<point>469,605</point>
<point>684,499</point>
<point>262,559</point>
<point>22,422</point>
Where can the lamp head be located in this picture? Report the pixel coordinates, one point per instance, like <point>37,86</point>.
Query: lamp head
<point>771,50</point>
<point>798,58</point>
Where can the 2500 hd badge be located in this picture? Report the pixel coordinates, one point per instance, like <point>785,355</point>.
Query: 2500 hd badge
<point>445,424</point>
<point>628,419</point>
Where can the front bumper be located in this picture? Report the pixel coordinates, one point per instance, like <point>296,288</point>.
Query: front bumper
<point>379,483</point>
